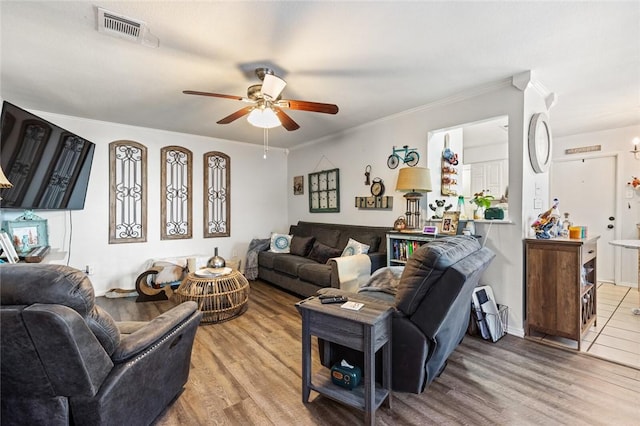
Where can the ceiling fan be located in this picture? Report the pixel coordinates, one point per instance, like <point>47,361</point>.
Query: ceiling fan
<point>266,103</point>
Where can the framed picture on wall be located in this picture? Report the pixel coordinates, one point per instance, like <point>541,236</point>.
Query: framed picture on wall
<point>298,185</point>
<point>449,224</point>
<point>324,191</point>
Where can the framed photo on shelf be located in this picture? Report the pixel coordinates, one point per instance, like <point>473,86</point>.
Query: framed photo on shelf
<point>7,248</point>
<point>449,224</point>
<point>27,234</point>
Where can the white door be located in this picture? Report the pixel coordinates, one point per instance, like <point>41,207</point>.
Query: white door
<point>586,189</point>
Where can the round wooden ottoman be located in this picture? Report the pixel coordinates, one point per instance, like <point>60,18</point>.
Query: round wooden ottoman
<point>220,297</point>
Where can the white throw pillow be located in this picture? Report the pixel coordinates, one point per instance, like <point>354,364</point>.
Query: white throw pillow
<point>280,243</point>
<point>355,247</point>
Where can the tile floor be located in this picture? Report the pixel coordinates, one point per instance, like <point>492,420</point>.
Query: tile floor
<point>616,337</point>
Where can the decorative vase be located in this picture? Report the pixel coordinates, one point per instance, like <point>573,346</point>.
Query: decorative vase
<point>461,208</point>
<point>478,213</point>
<point>216,261</point>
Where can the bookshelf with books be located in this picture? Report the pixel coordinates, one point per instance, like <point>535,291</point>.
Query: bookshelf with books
<point>401,245</point>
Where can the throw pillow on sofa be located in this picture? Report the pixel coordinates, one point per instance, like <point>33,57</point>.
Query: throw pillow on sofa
<point>280,243</point>
<point>355,247</point>
<point>321,253</point>
<point>301,246</point>
<point>373,241</point>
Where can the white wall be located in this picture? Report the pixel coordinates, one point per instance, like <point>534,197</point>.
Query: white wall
<point>259,193</point>
<point>372,143</point>
<point>262,191</point>
<point>616,141</point>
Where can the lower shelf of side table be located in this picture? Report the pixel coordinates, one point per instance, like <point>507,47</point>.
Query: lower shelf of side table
<point>321,383</point>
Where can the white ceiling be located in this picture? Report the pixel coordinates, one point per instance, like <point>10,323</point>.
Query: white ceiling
<point>372,59</point>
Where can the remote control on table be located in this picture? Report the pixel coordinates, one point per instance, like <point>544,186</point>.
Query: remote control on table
<point>333,299</point>
<point>326,296</point>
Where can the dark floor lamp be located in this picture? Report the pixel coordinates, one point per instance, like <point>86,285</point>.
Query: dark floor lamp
<point>414,181</point>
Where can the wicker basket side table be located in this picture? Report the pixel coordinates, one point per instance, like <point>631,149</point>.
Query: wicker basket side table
<point>220,298</point>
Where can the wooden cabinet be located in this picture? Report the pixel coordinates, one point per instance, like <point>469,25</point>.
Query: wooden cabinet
<point>561,286</point>
<point>401,245</point>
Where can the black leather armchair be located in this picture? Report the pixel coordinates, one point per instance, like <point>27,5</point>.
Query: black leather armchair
<point>66,361</point>
<point>432,309</point>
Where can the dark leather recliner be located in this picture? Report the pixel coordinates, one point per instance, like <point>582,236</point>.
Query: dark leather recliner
<point>432,310</point>
<point>66,361</point>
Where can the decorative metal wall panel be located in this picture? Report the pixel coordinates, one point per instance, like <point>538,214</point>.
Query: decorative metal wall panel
<point>34,135</point>
<point>217,195</point>
<point>70,156</point>
<point>128,192</point>
<point>176,193</point>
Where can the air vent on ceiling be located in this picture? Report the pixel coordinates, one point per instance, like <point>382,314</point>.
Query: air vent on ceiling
<point>121,26</point>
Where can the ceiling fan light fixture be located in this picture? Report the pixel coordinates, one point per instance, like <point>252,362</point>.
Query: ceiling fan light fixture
<point>265,118</point>
<point>272,86</point>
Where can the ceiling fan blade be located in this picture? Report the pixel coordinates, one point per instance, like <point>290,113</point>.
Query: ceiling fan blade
<point>213,95</point>
<point>233,117</point>
<point>287,122</point>
<point>309,106</point>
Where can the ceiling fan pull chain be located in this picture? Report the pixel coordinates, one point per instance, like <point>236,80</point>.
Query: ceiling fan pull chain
<point>266,142</point>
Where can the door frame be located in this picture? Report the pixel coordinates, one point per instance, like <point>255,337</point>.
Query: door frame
<point>617,208</point>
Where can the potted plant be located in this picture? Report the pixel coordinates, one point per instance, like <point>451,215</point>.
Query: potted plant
<point>482,202</point>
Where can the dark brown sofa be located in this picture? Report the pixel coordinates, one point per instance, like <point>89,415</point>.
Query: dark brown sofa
<point>302,273</point>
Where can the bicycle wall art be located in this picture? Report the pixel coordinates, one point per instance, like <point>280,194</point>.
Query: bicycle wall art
<point>408,156</point>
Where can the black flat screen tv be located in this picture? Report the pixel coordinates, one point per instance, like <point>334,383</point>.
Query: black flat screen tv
<point>48,166</point>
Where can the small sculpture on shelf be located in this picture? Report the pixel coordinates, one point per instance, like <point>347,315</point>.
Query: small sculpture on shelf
<point>547,223</point>
<point>400,224</point>
<point>439,208</point>
<point>450,156</point>
<point>566,224</point>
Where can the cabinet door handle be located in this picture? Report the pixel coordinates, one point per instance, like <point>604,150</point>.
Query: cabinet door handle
<point>591,251</point>
<point>610,226</point>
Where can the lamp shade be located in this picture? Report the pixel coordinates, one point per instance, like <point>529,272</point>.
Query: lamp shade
<point>4,182</point>
<point>272,86</point>
<point>414,179</point>
<point>264,118</point>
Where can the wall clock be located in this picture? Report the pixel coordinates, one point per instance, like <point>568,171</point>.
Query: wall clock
<point>377,187</point>
<point>324,191</point>
<point>540,142</point>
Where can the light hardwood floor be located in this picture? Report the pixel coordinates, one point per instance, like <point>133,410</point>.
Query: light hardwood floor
<point>247,372</point>
<point>616,337</point>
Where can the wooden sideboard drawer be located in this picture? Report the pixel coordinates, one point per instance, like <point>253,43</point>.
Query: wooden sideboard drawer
<point>589,251</point>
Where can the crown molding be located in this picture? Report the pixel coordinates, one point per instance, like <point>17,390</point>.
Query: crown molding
<point>526,79</point>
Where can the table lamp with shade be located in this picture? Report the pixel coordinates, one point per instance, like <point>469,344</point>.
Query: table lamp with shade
<point>414,181</point>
